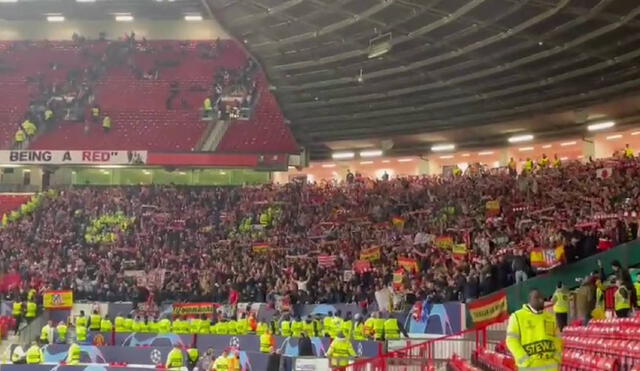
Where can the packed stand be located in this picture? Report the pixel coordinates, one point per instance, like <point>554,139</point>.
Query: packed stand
<point>321,242</point>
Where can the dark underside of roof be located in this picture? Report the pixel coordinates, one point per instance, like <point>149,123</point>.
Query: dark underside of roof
<point>453,63</point>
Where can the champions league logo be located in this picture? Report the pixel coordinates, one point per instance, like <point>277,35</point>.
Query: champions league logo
<point>155,356</point>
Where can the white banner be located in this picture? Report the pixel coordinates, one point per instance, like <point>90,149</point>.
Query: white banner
<point>44,157</point>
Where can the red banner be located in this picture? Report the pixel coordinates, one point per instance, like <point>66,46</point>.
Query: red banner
<point>362,266</point>
<point>10,281</point>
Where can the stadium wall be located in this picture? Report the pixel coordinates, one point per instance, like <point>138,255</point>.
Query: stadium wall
<point>159,30</point>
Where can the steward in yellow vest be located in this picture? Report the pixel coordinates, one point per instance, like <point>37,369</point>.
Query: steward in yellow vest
<point>164,326</point>
<point>242,326</point>
<point>106,325</point>
<point>32,310</point>
<point>340,351</point>
<point>119,322</point>
<point>45,333</point>
<point>106,123</point>
<point>297,326</point>
<point>532,336</point>
<point>378,327</point>
<point>16,310</point>
<point>61,330</point>
<point>128,324</point>
<point>81,334</point>
<point>327,323</point>
<point>391,329</point>
<point>222,363</point>
<point>637,286</point>
<point>192,358</point>
<point>96,320</point>
<point>73,354</point>
<point>262,328</point>
<point>285,327</point>
<point>368,327</point>
<point>358,329</point>
<point>175,360</point>
<point>34,354</point>
<point>82,320</point>
<point>310,327</point>
<point>232,327</point>
<point>622,301</point>
<point>560,301</point>
<point>266,341</point>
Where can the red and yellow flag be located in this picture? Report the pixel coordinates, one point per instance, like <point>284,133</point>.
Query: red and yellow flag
<point>411,265</point>
<point>459,250</point>
<point>398,279</point>
<point>261,248</point>
<point>398,222</point>
<point>488,310</point>
<point>444,242</point>
<point>371,254</point>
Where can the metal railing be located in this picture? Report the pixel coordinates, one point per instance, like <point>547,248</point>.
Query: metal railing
<point>32,330</point>
<point>426,355</point>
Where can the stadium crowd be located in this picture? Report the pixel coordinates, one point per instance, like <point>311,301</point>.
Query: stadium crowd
<point>320,242</point>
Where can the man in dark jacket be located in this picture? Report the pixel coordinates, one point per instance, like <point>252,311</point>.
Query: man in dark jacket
<point>273,364</point>
<point>305,348</point>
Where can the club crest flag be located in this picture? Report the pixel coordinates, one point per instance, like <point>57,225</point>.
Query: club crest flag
<point>488,310</point>
<point>371,254</point>
<point>545,259</point>
<point>54,300</point>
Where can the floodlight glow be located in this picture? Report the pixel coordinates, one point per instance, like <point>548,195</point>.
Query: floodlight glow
<point>342,155</point>
<point>55,18</point>
<point>124,18</point>
<point>371,153</point>
<point>601,126</point>
<point>443,147</point>
<point>520,138</point>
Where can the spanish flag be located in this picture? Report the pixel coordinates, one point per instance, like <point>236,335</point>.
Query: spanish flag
<point>398,222</point>
<point>371,254</point>
<point>411,265</point>
<point>260,248</point>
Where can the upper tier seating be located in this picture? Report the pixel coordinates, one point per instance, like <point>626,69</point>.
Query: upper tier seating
<point>266,132</point>
<point>9,202</point>
<point>137,106</point>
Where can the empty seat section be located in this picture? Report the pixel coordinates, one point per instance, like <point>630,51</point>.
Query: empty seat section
<point>265,132</point>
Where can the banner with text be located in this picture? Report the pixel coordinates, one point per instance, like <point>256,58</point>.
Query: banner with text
<point>43,157</point>
<point>488,310</point>
<point>194,309</point>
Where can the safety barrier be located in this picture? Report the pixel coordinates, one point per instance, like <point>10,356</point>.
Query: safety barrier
<point>426,355</point>
<point>32,331</point>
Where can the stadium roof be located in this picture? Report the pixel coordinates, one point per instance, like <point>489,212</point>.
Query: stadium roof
<point>37,10</point>
<point>451,70</point>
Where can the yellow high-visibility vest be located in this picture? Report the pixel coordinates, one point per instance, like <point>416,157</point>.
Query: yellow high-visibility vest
<point>561,298</point>
<point>532,339</point>
<point>622,302</point>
